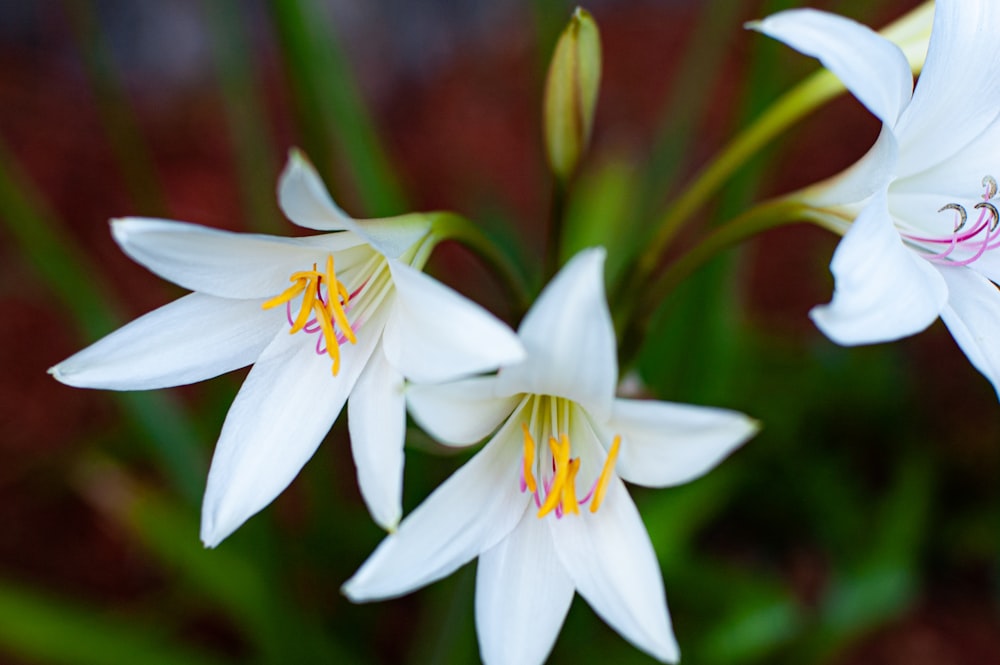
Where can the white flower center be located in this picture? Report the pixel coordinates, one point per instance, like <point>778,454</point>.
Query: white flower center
<point>549,473</point>
<point>967,242</point>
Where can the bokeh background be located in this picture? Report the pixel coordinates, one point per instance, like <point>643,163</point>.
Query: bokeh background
<point>860,527</point>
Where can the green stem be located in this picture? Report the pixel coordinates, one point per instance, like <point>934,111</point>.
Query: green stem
<point>764,216</point>
<point>789,108</point>
<point>910,32</point>
<point>450,226</point>
<point>557,215</point>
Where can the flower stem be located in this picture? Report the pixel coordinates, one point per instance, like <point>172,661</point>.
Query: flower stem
<point>764,216</point>
<point>557,214</point>
<point>792,106</point>
<point>450,226</point>
<point>910,32</point>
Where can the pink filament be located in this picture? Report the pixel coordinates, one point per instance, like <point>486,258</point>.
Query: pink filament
<point>958,239</point>
<point>312,326</point>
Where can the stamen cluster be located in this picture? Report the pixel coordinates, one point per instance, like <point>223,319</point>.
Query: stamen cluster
<point>327,298</point>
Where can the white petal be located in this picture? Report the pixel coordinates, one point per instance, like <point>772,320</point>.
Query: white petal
<point>861,180</point>
<point>376,416</point>
<point>470,512</point>
<point>610,558</point>
<point>281,414</point>
<point>223,263</point>
<point>191,339</point>
<point>667,444</point>
<point>870,66</point>
<point>570,339</point>
<point>306,201</point>
<point>522,596</point>
<point>435,334</point>
<point>459,412</point>
<point>973,317</point>
<point>883,291</point>
<point>957,96</point>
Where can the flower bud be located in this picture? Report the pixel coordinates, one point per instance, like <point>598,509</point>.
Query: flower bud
<point>571,93</point>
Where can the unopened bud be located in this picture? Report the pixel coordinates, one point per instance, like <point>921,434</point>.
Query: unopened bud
<point>571,93</point>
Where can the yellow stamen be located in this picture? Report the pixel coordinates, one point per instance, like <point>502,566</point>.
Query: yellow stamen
<point>605,477</point>
<point>529,459</point>
<point>561,461</point>
<point>308,298</point>
<point>285,296</point>
<point>307,282</point>
<point>569,502</point>
<point>337,292</point>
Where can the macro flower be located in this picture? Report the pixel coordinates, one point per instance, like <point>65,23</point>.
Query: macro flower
<point>325,319</point>
<point>919,211</point>
<point>543,504</point>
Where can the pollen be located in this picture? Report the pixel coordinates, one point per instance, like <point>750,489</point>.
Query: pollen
<point>554,486</point>
<point>528,478</point>
<point>601,486</point>
<point>323,308</point>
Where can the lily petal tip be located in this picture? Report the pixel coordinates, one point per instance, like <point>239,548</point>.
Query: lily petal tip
<point>756,25</point>
<point>297,157</point>
<point>349,590</point>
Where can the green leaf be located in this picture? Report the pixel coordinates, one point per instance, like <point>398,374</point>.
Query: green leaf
<point>40,628</point>
<point>330,108</point>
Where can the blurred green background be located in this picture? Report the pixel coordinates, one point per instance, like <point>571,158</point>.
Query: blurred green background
<point>861,525</point>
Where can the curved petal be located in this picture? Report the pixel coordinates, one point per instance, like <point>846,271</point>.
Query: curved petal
<point>957,96</point>
<point>522,596</point>
<point>858,182</point>
<point>973,317</point>
<point>469,513</point>
<point>459,412</point>
<point>305,200</point>
<point>436,334</point>
<point>222,263</point>
<point>611,561</point>
<point>870,66</point>
<point>883,291</point>
<point>667,444</point>
<point>376,418</point>
<point>570,339</point>
<point>191,339</point>
<point>278,419</point>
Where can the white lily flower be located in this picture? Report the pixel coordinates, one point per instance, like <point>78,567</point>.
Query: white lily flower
<point>543,504</point>
<point>361,316</point>
<point>919,211</point>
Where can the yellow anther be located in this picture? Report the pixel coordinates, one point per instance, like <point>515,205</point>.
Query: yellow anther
<point>307,282</point>
<point>562,474</point>
<point>285,296</point>
<point>569,502</point>
<point>337,298</point>
<point>529,460</point>
<point>602,481</point>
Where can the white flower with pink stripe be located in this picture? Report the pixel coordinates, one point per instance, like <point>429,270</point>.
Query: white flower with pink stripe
<point>919,211</point>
